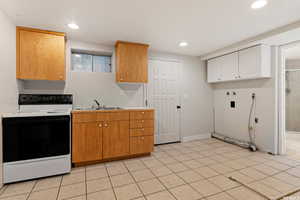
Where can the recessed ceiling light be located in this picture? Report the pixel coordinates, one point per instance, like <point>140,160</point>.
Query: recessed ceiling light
<point>259,4</point>
<point>73,26</point>
<point>183,44</point>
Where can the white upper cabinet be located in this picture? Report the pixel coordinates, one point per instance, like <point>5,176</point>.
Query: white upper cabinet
<point>250,63</point>
<point>214,71</point>
<point>230,66</point>
<point>254,62</point>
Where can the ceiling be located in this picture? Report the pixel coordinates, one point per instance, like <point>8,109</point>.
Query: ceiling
<point>206,25</point>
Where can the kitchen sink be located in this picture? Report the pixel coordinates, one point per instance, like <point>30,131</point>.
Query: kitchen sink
<point>109,108</point>
<point>101,108</point>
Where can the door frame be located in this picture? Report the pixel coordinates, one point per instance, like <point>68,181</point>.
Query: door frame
<point>282,95</point>
<point>146,94</point>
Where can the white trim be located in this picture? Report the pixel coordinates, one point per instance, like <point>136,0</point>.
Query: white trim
<point>164,59</point>
<point>293,132</point>
<point>281,103</point>
<point>196,137</point>
<point>36,168</point>
<point>281,96</point>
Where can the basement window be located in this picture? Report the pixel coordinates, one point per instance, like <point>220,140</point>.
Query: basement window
<point>82,62</point>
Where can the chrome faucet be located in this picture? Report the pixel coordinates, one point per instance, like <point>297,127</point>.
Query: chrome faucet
<point>98,104</point>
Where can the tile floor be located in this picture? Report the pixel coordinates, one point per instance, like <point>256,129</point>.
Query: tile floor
<point>293,141</point>
<point>186,171</point>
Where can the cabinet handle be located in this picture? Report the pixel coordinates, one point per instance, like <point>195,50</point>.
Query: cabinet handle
<point>143,112</point>
<point>142,121</point>
<point>143,129</point>
<point>105,125</point>
<point>100,125</point>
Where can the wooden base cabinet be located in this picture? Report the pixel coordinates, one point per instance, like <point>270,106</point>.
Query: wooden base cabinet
<point>141,132</point>
<point>141,144</point>
<point>87,142</point>
<point>115,139</point>
<point>102,136</point>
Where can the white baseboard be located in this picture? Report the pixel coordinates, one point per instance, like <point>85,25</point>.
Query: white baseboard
<point>196,137</point>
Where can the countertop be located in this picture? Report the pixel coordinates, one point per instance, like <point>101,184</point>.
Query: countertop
<point>124,109</point>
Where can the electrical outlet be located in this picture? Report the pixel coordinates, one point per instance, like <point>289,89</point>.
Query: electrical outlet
<point>232,104</point>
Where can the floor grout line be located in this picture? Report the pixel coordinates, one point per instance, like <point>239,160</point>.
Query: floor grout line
<point>85,180</point>
<point>112,187</point>
<point>60,185</point>
<point>31,190</point>
<point>230,154</point>
<point>144,196</point>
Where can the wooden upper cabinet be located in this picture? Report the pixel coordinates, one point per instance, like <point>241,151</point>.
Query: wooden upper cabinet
<point>40,54</point>
<point>131,62</point>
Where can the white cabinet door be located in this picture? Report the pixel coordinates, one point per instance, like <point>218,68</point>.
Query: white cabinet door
<point>250,63</point>
<point>230,66</point>
<point>214,71</point>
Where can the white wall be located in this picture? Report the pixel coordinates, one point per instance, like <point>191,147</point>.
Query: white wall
<point>197,99</point>
<point>235,121</point>
<point>196,118</point>
<point>196,96</point>
<point>87,86</point>
<point>292,63</point>
<point>8,83</point>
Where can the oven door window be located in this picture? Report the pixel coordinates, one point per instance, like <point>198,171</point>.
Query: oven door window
<point>35,137</point>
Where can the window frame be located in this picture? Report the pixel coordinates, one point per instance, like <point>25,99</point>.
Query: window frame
<point>92,61</point>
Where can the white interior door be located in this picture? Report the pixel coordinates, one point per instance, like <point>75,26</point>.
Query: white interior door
<point>163,95</point>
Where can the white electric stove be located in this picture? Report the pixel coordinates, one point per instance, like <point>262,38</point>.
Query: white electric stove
<point>37,138</point>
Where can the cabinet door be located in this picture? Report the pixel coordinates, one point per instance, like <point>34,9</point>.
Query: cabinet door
<point>86,142</point>
<point>40,55</point>
<point>115,139</point>
<point>249,63</point>
<point>132,62</point>
<point>214,73</point>
<point>230,66</point>
<point>141,144</point>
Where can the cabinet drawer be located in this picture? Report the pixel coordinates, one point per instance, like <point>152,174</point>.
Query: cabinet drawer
<point>142,123</point>
<point>117,116</point>
<point>86,117</point>
<point>99,116</point>
<point>141,144</point>
<point>142,132</point>
<point>143,114</point>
